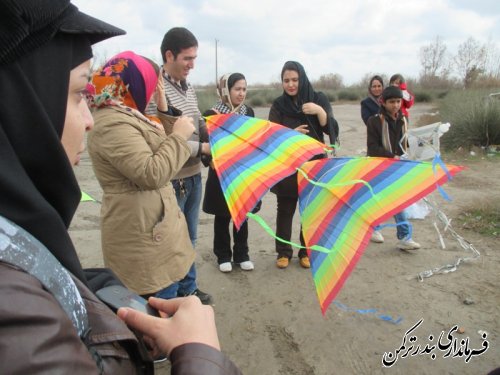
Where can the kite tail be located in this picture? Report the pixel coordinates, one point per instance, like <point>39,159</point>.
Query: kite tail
<point>329,185</point>
<point>466,245</point>
<point>405,222</point>
<point>268,229</point>
<point>437,161</point>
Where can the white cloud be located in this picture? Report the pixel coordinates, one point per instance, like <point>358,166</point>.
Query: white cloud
<point>256,37</point>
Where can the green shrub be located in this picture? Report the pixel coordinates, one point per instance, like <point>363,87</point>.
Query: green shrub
<point>474,117</point>
<point>348,95</point>
<point>206,98</point>
<point>330,94</point>
<point>423,97</point>
<point>256,101</point>
<point>442,94</point>
<point>262,96</point>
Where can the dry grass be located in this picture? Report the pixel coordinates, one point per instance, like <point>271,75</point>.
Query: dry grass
<point>482,217</point>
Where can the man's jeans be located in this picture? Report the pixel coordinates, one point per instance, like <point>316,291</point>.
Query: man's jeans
<point>188,194</point>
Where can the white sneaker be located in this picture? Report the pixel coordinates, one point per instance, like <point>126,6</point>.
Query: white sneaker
<point>247,265</point>
<point>377,237</point>
<point>225,267</point>
<point>408,244</point>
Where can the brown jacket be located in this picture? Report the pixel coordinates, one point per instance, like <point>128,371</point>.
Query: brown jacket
<point>144,235</point>
<point>37,337</point>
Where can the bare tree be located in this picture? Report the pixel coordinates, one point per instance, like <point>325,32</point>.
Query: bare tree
<point>330,81</point>
<point>470,60</point>
<point>365,80</point>
<point>433,58</point>
<point>492,65</point>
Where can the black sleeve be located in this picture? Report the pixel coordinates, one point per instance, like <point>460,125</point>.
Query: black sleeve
<point>374,138</point>
<point>275,115</point>
<point>250,112</point>
<point>209,112</point>
<point>332,126</point>
<point>365,112</point>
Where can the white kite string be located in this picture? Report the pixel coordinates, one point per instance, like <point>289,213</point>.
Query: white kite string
<point>466,245</point>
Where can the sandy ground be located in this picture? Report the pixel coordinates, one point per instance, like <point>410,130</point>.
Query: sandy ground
<point>269,320</point>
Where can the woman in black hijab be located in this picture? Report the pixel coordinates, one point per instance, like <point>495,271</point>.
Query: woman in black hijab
<point>309,112</point>
<point>44,69</point>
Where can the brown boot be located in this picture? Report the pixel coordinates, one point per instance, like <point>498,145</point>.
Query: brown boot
<point>282,262</point>
<point>304,262</point>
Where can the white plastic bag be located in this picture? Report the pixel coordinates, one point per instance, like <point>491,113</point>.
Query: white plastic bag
<point>418,210</point>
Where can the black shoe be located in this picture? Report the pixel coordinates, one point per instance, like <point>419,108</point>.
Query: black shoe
<point>205,298</point>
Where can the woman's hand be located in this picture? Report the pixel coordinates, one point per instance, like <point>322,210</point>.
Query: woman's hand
<point>311,108</point>
<point>316,110</point>
<point>160,98</point>
<point>302,129</point>
<point>184,127</point>
<point>205,148</point>
<point>189,322</point>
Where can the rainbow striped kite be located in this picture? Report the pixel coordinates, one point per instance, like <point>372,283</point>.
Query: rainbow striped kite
<point>251,155</point>
<point>342,199</point>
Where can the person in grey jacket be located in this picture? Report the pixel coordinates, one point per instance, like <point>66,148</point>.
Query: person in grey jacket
<point>44,69</point>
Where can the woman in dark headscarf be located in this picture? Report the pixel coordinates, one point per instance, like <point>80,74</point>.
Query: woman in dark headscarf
<point>44,69</point>
<point>370,106</point>
<point>232,90</point>
<point>309,112</point>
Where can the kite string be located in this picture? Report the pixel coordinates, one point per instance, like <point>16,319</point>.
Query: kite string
<point>384,317</point>
<point>466,245</point>
<point>437,161</point>
<point>269,231</point>
<point>328,186</point>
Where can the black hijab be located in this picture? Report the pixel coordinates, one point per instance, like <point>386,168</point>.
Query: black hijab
<point>38,189</point>
<point>285,103</point>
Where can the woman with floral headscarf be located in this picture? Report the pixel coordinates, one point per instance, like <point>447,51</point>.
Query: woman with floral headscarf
<point>232,91</point>
<point>144,234</point>
<point>309,112</point>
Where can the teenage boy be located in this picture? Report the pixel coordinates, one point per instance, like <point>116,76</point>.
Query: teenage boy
<point>385,138</point>
<point>179,50</point>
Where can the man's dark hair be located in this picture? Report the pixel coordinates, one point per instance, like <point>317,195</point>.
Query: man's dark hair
<point>175,40</point>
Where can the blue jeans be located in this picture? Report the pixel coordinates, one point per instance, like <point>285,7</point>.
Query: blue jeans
<point>188,194</point>
<point>174,290</point>
<point>402,230</point>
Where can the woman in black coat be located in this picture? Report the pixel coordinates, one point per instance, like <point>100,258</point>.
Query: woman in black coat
<point>309,112</point>
<point>232,90</point>
<point>370,106</point>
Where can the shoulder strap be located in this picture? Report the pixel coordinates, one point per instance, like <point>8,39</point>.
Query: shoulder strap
<point>21,249</point>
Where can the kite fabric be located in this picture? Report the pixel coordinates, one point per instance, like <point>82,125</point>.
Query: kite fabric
<point>86,198</point>
<point>251,155</point>
<point>342,199</point>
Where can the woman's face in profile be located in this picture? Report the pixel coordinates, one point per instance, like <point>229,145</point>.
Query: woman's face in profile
<point>238,92</point>
<point>290,82</point>
<point>78,118</point>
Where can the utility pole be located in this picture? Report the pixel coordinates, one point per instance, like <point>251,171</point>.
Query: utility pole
<point>216,73</point>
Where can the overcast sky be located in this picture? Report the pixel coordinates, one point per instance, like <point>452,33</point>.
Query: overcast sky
<point>255,37</point>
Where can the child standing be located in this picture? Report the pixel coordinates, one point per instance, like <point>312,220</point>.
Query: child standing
<point>408,98</point>
<point>386,138</point>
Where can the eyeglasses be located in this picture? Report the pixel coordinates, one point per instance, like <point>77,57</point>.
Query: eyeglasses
<point>376,86</point>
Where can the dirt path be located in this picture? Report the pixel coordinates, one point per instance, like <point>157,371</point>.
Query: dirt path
<point>269,320</point>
